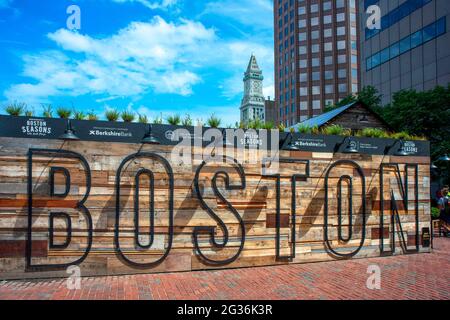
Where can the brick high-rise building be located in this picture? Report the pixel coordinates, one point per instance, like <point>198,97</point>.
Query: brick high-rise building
<point>316,56</point>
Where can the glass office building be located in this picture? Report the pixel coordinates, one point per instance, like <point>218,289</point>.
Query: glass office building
<point>412,48</point>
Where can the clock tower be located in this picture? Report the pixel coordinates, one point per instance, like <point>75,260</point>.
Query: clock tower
<point>252,105</point>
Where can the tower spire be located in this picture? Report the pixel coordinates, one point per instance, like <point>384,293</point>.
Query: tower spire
<point>252,106</point>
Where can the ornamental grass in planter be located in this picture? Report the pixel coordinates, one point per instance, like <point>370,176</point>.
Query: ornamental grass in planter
<point>91,116</point>
<point>143,119</point>
<point>128,116</point>
<point>174,120</point>
<point>64,113</point>
<point>15,109</point>
<point>187,121</point>
<point>47,111</point>
<point>79,115</point>
<point>112,115</point>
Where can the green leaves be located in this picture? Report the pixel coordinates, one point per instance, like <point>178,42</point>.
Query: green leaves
<point>174,120</point>
<point>112,115</point>
<point>64,113</point>
<point>213,121</point>
<point>15,109</point>
<point>128,116</point>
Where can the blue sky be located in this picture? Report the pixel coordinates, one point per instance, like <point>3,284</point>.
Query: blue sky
<point>151,56</point>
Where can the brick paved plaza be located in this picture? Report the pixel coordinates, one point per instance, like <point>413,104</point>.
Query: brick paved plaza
<point>425,276</point>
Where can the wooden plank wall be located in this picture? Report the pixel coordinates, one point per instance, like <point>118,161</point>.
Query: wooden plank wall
<point>256,204</point>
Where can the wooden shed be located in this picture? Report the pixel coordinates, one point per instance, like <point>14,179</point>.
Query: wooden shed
<point>355,116</point>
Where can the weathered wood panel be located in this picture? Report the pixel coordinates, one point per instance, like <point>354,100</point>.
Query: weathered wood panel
<point>256,205</point>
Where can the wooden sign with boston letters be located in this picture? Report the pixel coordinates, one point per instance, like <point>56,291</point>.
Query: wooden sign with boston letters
<point>114,207</point>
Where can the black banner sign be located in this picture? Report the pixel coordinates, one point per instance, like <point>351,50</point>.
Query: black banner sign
<point>103,131</point>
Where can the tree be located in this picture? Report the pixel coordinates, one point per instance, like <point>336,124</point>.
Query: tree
<point>422,114</point>
<point>368,95</point>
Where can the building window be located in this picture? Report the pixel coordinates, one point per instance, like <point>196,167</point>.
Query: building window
<point>303,105</point>
<point>302,50</point>
<point>314,21</point>
<point>316,104</point>
<point>340,17</point>
<point>316,90</point>
<point>315,76</point>
<point>328,60</point>
<point>303,63</point>
<point>327,33</point>
<point>315,62</point>
<point>342,88</point>
<point>328,46</point>
<point>341,45</point>
<point>402,11</point>
<point>340,31</point>
<point>303,77</point>
<point>342,58</point>
<point>428,33</point>
<point>328,75</point>
<point>302,36</point>
<point>315,35</point>
<point>329,89</point>
<point>340,4</point>
<point>327,19</point>
<point>315,48</point>
<point>342,73</point>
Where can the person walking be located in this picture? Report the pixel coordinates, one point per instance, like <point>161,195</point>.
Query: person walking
<point>444,207</point>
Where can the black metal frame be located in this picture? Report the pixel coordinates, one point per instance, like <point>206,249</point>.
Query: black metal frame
<point>350,208</point>
<point>394,210</point>
<point>151,177</point>
<point>169,172</point>
<point>66,173</point>
<point>363,187</point>
<point>52,217</point>
<point>293,218</point>
<point>80,206</point>
<point>222,225</point>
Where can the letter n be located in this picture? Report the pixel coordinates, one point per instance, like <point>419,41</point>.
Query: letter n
<point>395,221</point>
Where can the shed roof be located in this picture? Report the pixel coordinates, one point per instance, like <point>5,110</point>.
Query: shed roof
<point>325,117</point>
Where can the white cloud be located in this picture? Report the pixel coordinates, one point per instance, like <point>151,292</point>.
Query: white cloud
<point>155,56</point>
<point>162,4</point>
<point>145,57</point>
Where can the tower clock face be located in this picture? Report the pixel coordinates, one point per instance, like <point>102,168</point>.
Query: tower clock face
<point>257,86</point>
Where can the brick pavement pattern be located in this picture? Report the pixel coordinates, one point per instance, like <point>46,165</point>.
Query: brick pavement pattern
<point>424,276</point>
